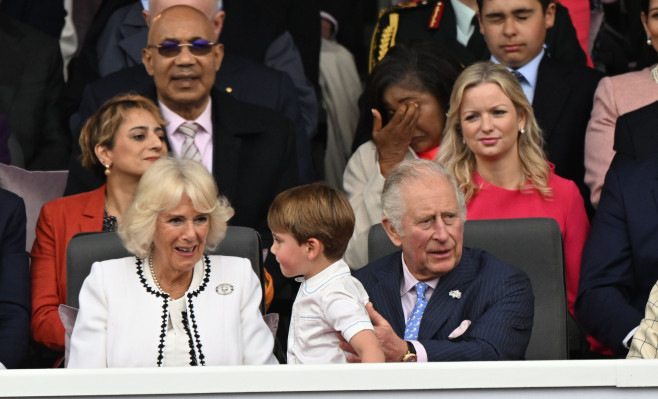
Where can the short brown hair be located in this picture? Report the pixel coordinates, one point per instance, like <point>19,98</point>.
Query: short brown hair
<point>314,211</point>
<point>101,127</point>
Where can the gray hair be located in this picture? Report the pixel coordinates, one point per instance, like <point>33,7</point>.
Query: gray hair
<point>403,174</point>
<point>161,189</point>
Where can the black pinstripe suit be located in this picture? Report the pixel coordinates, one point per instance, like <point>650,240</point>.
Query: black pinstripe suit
<point>495,297</point>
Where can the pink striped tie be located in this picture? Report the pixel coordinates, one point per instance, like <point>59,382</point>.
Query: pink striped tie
<point>189,150</point>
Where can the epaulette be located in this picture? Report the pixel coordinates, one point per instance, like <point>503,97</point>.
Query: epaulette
<point>384,35</point>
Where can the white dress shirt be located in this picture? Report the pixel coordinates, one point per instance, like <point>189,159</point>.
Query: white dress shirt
<point>464,17</point>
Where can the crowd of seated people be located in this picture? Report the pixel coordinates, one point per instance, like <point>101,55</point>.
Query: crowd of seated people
<point>473,109</point>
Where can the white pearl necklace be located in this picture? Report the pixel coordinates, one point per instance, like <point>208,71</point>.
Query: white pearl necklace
<point>155,279</point>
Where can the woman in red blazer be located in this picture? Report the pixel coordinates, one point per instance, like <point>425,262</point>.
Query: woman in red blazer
<point>121,140</point>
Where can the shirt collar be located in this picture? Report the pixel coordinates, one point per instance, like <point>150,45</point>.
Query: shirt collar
<point>204,120</point>
<point>318,281</point>
<point>409,281</point>
<point>529,70</point>
<point>464,15</point>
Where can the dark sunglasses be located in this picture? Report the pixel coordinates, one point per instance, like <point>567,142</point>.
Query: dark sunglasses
<point>172,49</point>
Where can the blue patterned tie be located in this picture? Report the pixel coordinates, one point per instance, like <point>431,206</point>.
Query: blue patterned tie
<point>413,324</point>
<point>519,76</point>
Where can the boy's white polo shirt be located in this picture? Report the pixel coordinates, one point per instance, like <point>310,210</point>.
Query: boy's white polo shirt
<point>329,302</point>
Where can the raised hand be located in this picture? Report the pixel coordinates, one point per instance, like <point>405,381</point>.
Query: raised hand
<point>392,141</point>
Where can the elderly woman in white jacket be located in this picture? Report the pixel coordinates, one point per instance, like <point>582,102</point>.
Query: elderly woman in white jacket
<point>172,305</point>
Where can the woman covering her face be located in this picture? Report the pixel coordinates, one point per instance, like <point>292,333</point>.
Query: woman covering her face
<point>492,146</point>
<point>171,304</point>
<point>406,97</point>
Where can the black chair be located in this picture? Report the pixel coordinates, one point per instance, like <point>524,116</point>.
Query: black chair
<point>534,245</point>
<point>87,248</point>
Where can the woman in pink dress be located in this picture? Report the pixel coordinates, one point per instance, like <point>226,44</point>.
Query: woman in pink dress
<point>492,145</point>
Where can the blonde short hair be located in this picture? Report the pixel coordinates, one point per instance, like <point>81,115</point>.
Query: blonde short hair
<point>455,155</point>
<point>314,211</point>
<point>101,127</point>
<point>161,189</point>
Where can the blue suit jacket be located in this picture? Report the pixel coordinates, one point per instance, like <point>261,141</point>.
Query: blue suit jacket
<point>620,258</point>
<point>495,297</point>
<point>14,281</point>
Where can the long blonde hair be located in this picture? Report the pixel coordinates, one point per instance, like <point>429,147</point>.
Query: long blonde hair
<point>455,155</point>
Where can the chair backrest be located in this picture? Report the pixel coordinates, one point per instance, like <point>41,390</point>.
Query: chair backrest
<point>36,188</point>
<point>86,248</point>
<point>533,245</point>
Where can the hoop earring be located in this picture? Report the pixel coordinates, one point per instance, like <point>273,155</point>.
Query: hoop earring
<point>107,170</point>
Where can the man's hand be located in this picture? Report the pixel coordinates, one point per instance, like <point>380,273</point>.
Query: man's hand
<point>393,346</point>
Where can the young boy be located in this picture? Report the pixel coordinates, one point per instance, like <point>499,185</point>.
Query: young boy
<point>312,225</point>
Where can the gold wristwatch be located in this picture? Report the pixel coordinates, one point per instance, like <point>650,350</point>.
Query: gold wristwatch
<point>410,356</point>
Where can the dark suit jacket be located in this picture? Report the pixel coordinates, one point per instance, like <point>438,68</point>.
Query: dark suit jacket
<point>495,297</point>
<point>620,258</point>
<point>636,134</point>
<point>562,104</point>
<point>14,282</point>
<point>31,82</point>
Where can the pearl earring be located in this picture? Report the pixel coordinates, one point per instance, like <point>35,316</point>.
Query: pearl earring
<point>522,131</point>
<point>107,170</point>
<point>648,40</point>
<point>463,140</point>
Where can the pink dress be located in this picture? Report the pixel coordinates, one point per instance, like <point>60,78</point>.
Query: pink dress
<point>566,206</point>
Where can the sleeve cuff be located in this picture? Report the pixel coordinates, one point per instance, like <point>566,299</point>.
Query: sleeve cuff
<point>628,338</point>
<point>421,353</point>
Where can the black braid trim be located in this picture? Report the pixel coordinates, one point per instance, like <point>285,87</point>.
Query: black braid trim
<point>195,293</point>
<point>165,310</point>
<point>190,342</point>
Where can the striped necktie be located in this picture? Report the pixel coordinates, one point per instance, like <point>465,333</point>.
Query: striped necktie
<point>413,324</point>
<point>189,150</point>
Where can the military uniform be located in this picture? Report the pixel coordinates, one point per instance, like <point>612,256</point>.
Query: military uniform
<point>435,20</point>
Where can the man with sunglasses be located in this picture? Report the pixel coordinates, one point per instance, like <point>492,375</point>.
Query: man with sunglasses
<point>244,79</point>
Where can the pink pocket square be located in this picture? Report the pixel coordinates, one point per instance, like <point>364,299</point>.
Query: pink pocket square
<point>460,330</point>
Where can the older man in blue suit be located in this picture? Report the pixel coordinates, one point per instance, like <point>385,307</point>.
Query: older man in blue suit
<point>14,282</point>
<point>435,300</point>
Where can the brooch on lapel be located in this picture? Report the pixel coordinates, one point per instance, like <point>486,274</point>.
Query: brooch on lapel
<point>224,289</point>
<point>455,294</point>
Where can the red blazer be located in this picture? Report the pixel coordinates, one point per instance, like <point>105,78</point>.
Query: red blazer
<point>58,221</point>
